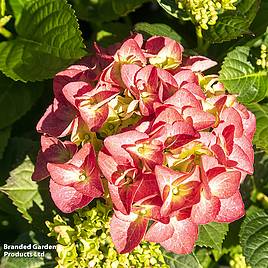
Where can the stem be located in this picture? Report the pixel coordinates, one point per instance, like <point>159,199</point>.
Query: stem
<point>7,34</point>
<point>202,45</point>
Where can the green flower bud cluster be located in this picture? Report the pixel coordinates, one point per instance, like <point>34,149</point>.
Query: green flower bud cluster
<point>205,12</point>
<point>237,258</point>
<point>263,61</point>
<point>87,243</point>
<point>122,113</point>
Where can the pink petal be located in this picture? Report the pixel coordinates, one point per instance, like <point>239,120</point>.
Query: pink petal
<point>130,52</point>
<point>183,239</point>
<point>66,198</point>
<point>128,73</point>
<point>75,89</point>
<point>183,98</point>
<point>241,160</point>
<point>185,76</point>
<point>159,232</point>
<point>79,158</point>
<point>225,184</point>
<point>231,209</point>
<point>123,196</point>
<point>206,210</point>
<point>107,164</point>
<point>114,144</point>
<point>64,174</point>
<point>201,119</point>
<point>92,186</point>
<point>199,63</point>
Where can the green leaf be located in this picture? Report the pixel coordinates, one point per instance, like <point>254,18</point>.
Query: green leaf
<point>17,7</point>
<point>22,190</point>
<point>170,7</point>
<point>181,261</point>
<point>48,41</point>
<point>157,29</point>
<point>122,8</point>
<point>254,239</point>
<point>212,235</point>
<point>16,99</point>
<point>240,77</point>
<point>232,24</point>
<point>4,136</point>
<point>261,134</point>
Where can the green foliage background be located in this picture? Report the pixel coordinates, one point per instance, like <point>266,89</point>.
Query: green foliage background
<point>38,38</point>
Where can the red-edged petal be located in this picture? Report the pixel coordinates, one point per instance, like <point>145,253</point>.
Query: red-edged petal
<point>107,164</point>
<point>128,73</point>
<point>64,174</point>
<point>123,196</point>
<point>239,159</point>
<point>114,144</point>
<point>126,235</point>
<point>183,239</point>
<point>231,209</point>
<point>92,185</point>
<point>199,63</point>
<point>201,119</point>
<point>75,89</point>
<point>225,184</point>
<point>130,52</point>
<point>206,210</point>
<point>66,198</point>
<point>183,98</point>
<point>159,232</point>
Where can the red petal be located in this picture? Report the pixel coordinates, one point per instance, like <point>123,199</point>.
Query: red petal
<point>40,169</point>
<point>127,235</point>
<point>51,124</point>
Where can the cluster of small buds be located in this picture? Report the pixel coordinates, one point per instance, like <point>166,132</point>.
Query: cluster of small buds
<point>88,243</point>
<point>238,259</point>
<point>205,12</point>
<point>263,61</point>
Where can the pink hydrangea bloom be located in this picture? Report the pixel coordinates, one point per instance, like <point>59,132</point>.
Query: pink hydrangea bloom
<point>168,142</point>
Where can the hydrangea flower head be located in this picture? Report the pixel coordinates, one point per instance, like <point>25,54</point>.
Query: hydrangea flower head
<point>153,135</point>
